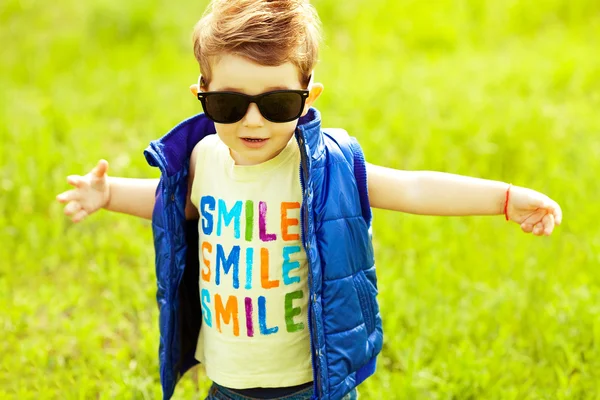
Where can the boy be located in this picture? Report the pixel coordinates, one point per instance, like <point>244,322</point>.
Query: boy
<point>262,230</point>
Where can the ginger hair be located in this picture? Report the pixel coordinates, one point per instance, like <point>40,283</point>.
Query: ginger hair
<point>267,32</point>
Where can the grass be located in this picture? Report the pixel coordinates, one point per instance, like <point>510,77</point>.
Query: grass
<point>472,307</point>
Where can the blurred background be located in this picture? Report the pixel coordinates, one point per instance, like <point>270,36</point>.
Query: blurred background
<point>472,307</point>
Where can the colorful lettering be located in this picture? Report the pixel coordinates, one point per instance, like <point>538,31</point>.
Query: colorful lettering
<point>249,326</point>
<point>290,265</point>
<point>207,204</point>
<point>205,307</point>
<point>291,311</point>
<point>249,219</point>
<point>206,247</point>
<point>264,271</point>
<point>249,262</point>
<point>226,217</point>
<point>262,318</point>
<point>221,220</point>
<point>227,313</point>
<point>233,260</point>
<point>287,222</point>
<point>262,223</point>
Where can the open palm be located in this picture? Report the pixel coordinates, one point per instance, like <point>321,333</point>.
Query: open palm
<point>90,194</point>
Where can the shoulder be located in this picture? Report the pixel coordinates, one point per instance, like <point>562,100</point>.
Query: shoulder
<point>202,152</point>
<point>208,143</point>
<point>204,148</point>
<point>340,143</point>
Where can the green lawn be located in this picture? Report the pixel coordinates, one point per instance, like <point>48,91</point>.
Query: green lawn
<point>472,307</point>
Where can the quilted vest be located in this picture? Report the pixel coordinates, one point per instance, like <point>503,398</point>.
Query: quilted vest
<point>344,320</point>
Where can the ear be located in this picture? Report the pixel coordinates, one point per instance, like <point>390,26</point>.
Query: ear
<point>194,89</point>
<point>315,91</point>
<point>200,86</point>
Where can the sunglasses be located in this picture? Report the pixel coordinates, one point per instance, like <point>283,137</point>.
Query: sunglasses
<point>276,106</point>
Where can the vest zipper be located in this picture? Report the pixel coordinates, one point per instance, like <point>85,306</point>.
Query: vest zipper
<point>311,296</point>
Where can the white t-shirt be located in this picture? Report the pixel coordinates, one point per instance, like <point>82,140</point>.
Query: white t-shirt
<point>253,269</point>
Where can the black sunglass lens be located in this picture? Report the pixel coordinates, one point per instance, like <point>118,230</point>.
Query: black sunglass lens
<point>225,107</point>
<point>281,107</point>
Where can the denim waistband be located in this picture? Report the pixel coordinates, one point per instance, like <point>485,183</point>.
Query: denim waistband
<point>218,392</point>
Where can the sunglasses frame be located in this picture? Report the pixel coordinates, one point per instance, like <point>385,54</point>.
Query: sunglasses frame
<point>256,100</point>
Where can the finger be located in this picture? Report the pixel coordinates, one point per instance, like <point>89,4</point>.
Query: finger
<point>538,229</point>
<point>527,227</point>
<point>100,169</point>
<point>551,206</point>
<point>548,221</point>
<point>72,208</point>
<point>69,195</point>
<point>75,180</point>
<point>557,214</point>
<point>81,214</point>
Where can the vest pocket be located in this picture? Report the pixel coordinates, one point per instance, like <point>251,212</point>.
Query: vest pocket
<point>366,296</point>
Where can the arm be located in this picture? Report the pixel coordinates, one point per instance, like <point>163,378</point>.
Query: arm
<point>136,197</point>
<point>434,193</point>
<point>438,193</point>
<point>132,196</point>
<point>97,190</point>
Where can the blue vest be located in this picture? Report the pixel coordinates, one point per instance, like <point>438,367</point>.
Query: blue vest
<point>343,315</point>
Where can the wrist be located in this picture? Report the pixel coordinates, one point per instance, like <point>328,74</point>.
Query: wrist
<point>108,195</point>
<point>506,201</point>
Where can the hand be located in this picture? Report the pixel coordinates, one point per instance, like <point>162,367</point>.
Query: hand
<point>534,211</point>
<point>91,193</point>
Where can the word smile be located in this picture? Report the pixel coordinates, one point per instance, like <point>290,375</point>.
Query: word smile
<point>238,272</point>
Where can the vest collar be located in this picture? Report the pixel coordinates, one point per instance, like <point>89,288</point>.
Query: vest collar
<point>308,133</point>
<point>171,152</point>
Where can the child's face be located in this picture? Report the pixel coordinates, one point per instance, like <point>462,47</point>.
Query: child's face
<point>253,139</point>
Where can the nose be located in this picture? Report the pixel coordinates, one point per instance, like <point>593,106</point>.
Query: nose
<point>253,117</point>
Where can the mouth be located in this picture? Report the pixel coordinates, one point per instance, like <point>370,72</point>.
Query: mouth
<point>253,140</point>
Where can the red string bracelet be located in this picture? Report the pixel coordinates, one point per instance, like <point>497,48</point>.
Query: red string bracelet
<point>506,201</point>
